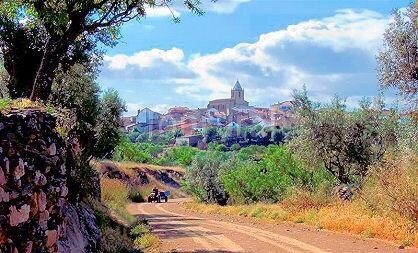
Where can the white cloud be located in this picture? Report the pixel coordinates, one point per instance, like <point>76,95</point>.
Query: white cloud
<point>145,59</point>
<point>330,55</point>
<point>223,6</point>
<point>162,12</point>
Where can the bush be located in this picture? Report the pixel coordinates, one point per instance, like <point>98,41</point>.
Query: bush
<point>146,241</point>
<point>115,195</point>
<point>115,242</point>
<point>392,187</point>
<point>202,177</point>
<point>136,195</point>
<point>268,176</point>
<point>182,156</point>
<point>137,152</point>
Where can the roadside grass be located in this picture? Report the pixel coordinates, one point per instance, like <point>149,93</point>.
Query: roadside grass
<point>148,242</point>
<point>115,195</point>
<point>341,217</point>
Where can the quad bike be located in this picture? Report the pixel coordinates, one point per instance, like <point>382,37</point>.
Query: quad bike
<point>153,197</point>
<point>163,197</point>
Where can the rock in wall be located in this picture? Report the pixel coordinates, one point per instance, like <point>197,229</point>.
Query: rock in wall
<point>33,188</point>
<point>82,235</point>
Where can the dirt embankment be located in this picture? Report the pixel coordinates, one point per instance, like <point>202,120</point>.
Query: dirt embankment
<point>143,177</point>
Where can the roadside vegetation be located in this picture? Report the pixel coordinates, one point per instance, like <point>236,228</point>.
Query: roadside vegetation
<point>128,233</point>
<point>375,196</point>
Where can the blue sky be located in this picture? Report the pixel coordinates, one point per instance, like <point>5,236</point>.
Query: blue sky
<point>271,46</point>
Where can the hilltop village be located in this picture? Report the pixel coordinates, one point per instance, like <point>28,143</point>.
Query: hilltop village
<point>229,112</point>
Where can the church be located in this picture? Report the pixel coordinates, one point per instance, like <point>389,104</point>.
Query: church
<point>237,100</point>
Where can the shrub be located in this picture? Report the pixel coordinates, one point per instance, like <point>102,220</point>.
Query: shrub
<point>203,177</point>
<point>140,229</point>
<point>135,195</point>
<point>115,242</point>
<point>392,187</point>
<point>137,152</point>
<point>235,147</point>
<point>146,241</point>
<point>345,142</point>
<point>182,155</point>
<point>115,195</point>
<point>268,175</point>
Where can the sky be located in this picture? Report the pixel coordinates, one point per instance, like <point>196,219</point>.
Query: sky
<point>272,47</point>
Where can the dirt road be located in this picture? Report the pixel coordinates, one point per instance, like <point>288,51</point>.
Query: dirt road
<point>183,231</point>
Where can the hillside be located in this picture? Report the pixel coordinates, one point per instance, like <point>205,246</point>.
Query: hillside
<point>142,178</point>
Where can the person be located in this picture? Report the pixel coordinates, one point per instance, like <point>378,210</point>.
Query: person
<point>155,191</point>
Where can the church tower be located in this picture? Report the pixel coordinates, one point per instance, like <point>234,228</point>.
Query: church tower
<point>237,93</point>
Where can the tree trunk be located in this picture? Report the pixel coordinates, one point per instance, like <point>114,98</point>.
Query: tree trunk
<point>31,70</point>
<point>21,63</point>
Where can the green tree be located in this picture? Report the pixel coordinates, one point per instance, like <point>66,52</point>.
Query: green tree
<point>107,129</point>
<point>203,177</point>
<point>4,92</point>
<point>210,134</point>
<point>345,143</point>
<point>398,60</point>
<point>78,91</point>
<point>39,36</point>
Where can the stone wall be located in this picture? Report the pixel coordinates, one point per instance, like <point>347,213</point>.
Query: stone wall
<point>33,187</point>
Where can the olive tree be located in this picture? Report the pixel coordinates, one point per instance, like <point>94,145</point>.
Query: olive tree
<point>39,36</point>
<point>344,142</point>
<point>398,60</point>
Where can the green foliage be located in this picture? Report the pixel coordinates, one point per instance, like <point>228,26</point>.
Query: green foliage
<point>210,134</point>
<point>107,128</point>
<point>146,241</point>
<point>397,61</point>
<point>253,152</point>
<point>4,103</point>
<point>154,153</point>
<point>61,33</point>
<point>235,147</point>
<point>77,89</point>
<point>140,229</point>
<point>182,155</point>
<point>268,180</point>
<point>203,177</point>
<point>345,142</point>
<point>217,146</point>
<point>137,152</point>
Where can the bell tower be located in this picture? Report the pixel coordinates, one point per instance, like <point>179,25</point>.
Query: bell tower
<point>237,93</point>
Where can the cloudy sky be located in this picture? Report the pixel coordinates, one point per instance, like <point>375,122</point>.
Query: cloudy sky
<point>272,47</point>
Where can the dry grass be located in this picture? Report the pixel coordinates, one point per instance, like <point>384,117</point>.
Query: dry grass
<point>115,195</point>
<point>342,217</point>
<point>148,243</point>
<point>19,104</point>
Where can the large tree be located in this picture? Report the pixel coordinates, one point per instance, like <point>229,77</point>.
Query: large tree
<point>398,60</point>
<point>344,142</point>
<point>39,36</point>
